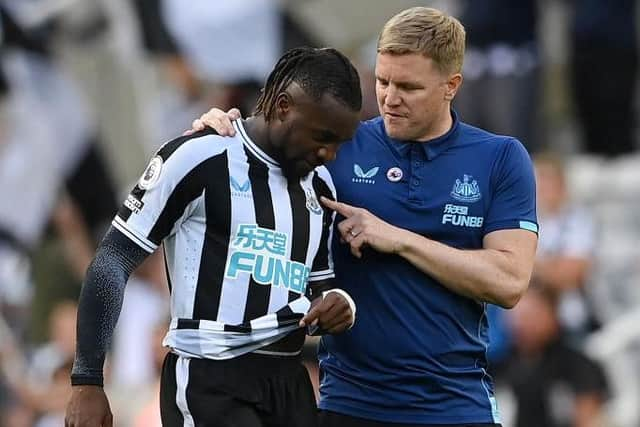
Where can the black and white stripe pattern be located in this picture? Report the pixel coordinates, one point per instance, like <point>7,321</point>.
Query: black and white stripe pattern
<point>240,241</point>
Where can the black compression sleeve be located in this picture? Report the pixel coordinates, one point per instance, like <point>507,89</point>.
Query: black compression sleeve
<point>100,303</point>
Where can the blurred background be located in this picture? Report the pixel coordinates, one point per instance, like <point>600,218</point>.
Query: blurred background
<point>89,89</point>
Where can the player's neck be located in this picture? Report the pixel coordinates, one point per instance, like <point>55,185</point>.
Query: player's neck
<point>258,130</point>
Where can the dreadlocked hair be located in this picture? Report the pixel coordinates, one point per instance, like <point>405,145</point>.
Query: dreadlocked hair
<point>318,72</point>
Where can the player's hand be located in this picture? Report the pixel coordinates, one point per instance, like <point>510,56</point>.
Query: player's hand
<point>88,407</point>
<point>361,228</point>
<point>331,313</point>
<point>218,120</point>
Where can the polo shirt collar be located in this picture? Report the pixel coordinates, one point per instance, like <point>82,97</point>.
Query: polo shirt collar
<point>433,147</point>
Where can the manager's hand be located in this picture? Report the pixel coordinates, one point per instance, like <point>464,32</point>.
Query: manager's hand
<point>332,313</point>
<point>361,228</point>
<point>88,407</point>
<point>218,120</point>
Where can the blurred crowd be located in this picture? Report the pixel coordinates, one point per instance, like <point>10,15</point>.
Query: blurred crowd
<point>90,89</point>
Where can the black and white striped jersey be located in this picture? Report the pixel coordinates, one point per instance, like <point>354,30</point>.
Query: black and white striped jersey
<point>240,240</point>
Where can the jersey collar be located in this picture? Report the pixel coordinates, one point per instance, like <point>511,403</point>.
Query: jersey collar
<point>433,147</point>
<point>252,146</point>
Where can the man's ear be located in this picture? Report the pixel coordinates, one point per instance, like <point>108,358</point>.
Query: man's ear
<point>453,84</point>
<point>284,102</point>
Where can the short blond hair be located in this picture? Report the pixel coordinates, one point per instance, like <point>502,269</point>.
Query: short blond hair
<point>427,31</point>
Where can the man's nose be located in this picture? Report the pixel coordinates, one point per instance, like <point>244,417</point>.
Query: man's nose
<point>392,97</point>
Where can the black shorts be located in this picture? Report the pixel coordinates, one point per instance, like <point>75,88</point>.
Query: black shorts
<point>248,391</point>
<point>333,419</point>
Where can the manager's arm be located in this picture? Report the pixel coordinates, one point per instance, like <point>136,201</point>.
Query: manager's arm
<point>498,273</point>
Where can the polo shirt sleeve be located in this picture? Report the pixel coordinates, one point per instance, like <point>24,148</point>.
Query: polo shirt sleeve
<point>513,202</point>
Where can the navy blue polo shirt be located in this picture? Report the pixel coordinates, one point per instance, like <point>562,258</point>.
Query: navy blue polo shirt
<point>417,352</point>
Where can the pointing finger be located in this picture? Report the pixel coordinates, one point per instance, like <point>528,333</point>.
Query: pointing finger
<point>342,208</point>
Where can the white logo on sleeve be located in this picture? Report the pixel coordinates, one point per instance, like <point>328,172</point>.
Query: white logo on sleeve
<point>151,174</point>
<point>133,204</point>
